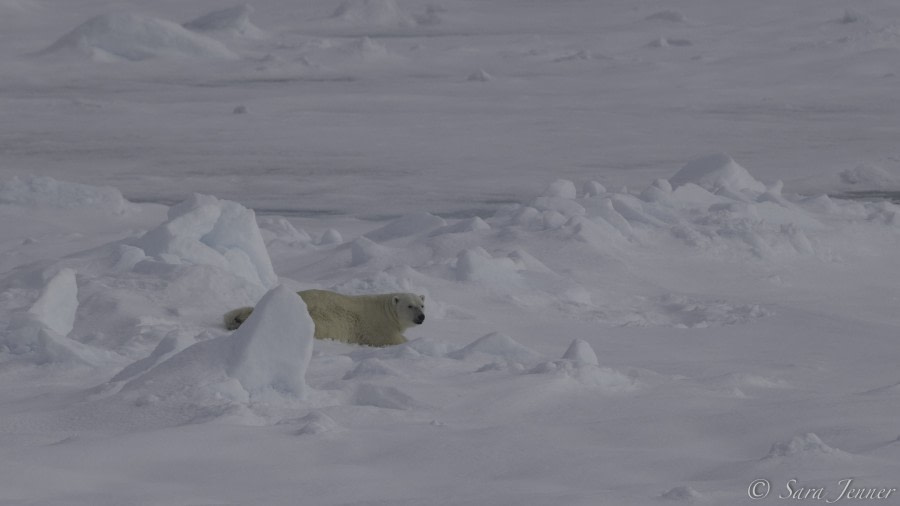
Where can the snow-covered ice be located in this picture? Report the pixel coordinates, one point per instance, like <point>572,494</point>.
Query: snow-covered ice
<point>657,244</point>
<point>134,37</point>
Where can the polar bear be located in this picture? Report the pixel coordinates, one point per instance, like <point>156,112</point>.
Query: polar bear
<point>374,320</point>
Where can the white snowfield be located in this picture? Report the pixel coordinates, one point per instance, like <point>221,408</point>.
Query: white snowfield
<point>638,290</point>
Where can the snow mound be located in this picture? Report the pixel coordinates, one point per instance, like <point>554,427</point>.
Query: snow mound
<point>364,251</point>
<point>582,352</point>
<point>171,344</point>
<point>683,494</point>
<point>411,224</point>
<point>476,264</point>
<point>39,334</point>
<point>234,20</point>
<point>58,303</point>
<point>464,226</point>
<point>670,42</point>
<point>317,423</point>
<point>717,173</point>
<point>496,345</point>
<point>134,37</point>
<point>330,53</point>
<point>330,237</point>
<point>806,445</point>
<point>428,347</point>
<point>870,177</point>
<point>562,188</point>
<point>373,13</point>
<point>265,360</point>
<point>379,396</point>
<point>479,76</point>
<point>672,16</point>
<point>279,229</point>
<point>580,363</point>
<point>592,189</point>
<point>28,338</point>
<point>204,230</point>
<point>48,192</point>
<point>683,312</point>
<point>372,368</point>
<point>272,349</point>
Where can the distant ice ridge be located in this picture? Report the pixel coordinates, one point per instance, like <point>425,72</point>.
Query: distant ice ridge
<point>48,192</point>
<point>869,177</point>
<point>712,203</point>
<point>135,37</point>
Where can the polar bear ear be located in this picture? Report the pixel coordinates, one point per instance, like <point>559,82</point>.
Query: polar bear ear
<point>396,300</point>
<point>423,298</point>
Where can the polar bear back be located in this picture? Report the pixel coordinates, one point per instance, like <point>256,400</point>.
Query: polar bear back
<point>360,319</point>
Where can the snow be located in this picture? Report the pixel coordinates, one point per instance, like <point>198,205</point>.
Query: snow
<point>58,303</point>
<point>581,351</point>
<point>273,347</point>
<point>234,20</point>
<point>372,13</point>
<point>717,173</point>
<point>135,37</point>
<point>615,314</point>
<point>496,345</point>
<point>207,231</point>
<point>48,192</point>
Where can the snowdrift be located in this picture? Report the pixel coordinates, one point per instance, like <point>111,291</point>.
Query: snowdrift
<point>233,21</point>
<point>135,37</point>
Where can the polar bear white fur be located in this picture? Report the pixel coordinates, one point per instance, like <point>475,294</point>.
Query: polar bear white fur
<point>374,320</point>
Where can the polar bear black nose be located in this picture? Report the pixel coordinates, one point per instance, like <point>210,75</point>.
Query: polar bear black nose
<point>420,319</point>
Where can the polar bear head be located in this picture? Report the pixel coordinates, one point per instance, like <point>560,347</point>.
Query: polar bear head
<point>410,308</point>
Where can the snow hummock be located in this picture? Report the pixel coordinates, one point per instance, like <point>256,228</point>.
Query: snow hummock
<point>476,264</point>
<point>317,423</point>
<point>562,188</point>
<point>717,173</point>
<point>581,351</point>
<point>410,224</point>
<point>480,76</point>
<point>808,444</point>
<point>58,303</point>
<point>265,360</point>
<point>682,494</point>
<point>204,230</point>
<point>136,37</point>
<point>498,345</point>
<point>40,334</point>
<point>272,349</point>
